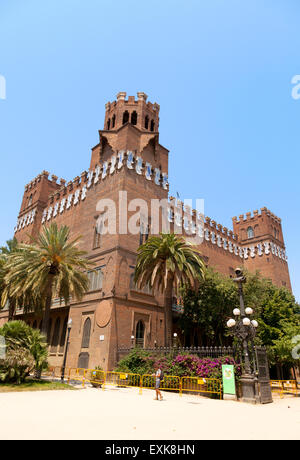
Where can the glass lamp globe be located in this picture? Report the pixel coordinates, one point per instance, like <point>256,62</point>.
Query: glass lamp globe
<point>246,321</point>
<point>248,311</point>
<point>231,323</point>
<point>254,323</point>
<point>236,312</point>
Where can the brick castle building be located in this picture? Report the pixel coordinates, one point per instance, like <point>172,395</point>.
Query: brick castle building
<point>129,163</point>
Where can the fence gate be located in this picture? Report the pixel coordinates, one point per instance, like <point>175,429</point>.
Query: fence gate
<point>265,391</point>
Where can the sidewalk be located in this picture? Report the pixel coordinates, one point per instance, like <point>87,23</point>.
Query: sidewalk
<point>120,414</point>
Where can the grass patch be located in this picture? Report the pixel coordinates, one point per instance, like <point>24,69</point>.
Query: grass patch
<point>34,385</point>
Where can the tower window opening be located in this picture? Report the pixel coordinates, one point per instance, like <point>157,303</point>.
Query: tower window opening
<point>134,118</point>
<point>108,124</point>
<point>113,121</point>
<point>125,117</point>
<point>250,232</point>
<point>152,125</point>
<point>147,122</point>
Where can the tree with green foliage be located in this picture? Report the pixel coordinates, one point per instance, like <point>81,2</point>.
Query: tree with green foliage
<point>51,266</point>
<point>166,262</point>
<point>207,309</point>
<point>5,252</point>
<point>27,343</point>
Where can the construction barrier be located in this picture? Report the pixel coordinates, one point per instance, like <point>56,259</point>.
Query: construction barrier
<point>285,387</point>
<point>99,378</point>
<point>123,379</point>
<point>202,385</point>
<point>169,382</point>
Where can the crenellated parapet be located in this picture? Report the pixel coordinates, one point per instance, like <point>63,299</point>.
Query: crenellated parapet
<point>138,112</point>
<point>251,216</point>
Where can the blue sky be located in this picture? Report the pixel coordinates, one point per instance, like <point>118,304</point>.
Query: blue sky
<point>220,69</point>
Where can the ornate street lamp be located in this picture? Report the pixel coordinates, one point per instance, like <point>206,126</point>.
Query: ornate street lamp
<point>132,341</point>
<point>69,326</point>
<point>244,330</point>
<point>175,340</point>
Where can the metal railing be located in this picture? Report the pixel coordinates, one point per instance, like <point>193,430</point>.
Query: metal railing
<point>285,387</point>
<point>172,383</point>
<point>201,352</point>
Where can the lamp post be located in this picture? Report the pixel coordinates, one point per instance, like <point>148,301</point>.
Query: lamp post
<point>69,326</point>
<point>175,340</point>
<point>244,330</point>
<point>132,341</point>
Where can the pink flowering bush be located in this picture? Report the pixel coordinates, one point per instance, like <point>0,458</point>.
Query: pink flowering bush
<point>182,365</point>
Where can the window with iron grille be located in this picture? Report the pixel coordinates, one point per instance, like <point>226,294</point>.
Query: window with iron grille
<point>83,361</point>
<point>86,334</point>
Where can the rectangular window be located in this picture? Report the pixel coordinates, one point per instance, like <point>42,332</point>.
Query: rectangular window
<point>133,287</point>
<point>96,279</point>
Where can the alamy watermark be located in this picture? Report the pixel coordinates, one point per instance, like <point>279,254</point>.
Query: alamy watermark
<point>138,216</point>
<point>2,87</point>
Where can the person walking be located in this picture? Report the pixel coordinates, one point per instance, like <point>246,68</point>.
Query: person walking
<point>159,375</point>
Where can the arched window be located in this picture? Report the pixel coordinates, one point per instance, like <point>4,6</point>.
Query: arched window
<point>55,337</point>
<point>134,118</point>
<point>125,117</point>
<point>63,336</point>
<point>86,334</point>
<point>152,125</point>
<point>108,124</point>
<point>250,232</point>
<point>139,335</point>
<point>147,122</point>
<point>83,361</point>
<point>30,200</point>
<point>113,121</point>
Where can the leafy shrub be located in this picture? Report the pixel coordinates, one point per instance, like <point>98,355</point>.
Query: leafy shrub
<point>183,365</point>
<point>18,335</point>
<point>16,366</point>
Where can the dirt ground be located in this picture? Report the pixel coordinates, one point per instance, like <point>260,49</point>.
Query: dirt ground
<point>123,414</point>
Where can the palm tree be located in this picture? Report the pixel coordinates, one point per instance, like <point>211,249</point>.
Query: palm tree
<point>5,252</point>
<point>166,262</point>
<point>51,266</point>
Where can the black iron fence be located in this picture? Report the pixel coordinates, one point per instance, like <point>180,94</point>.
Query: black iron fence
<point>202,352</point>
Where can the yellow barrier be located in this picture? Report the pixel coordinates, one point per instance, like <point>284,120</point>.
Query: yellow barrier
<point>169,382</point>
<point>147,381</point>
<point>285,387</point>
<point>202,385</point>
<point>123,379</point>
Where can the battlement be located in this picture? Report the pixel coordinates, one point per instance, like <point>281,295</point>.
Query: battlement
<point>208,223</point>
<point>138,112</point>
<point>248,217</point>
<point>44,174</point>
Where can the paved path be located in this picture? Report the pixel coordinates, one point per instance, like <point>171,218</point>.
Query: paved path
<point>115,414</point>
